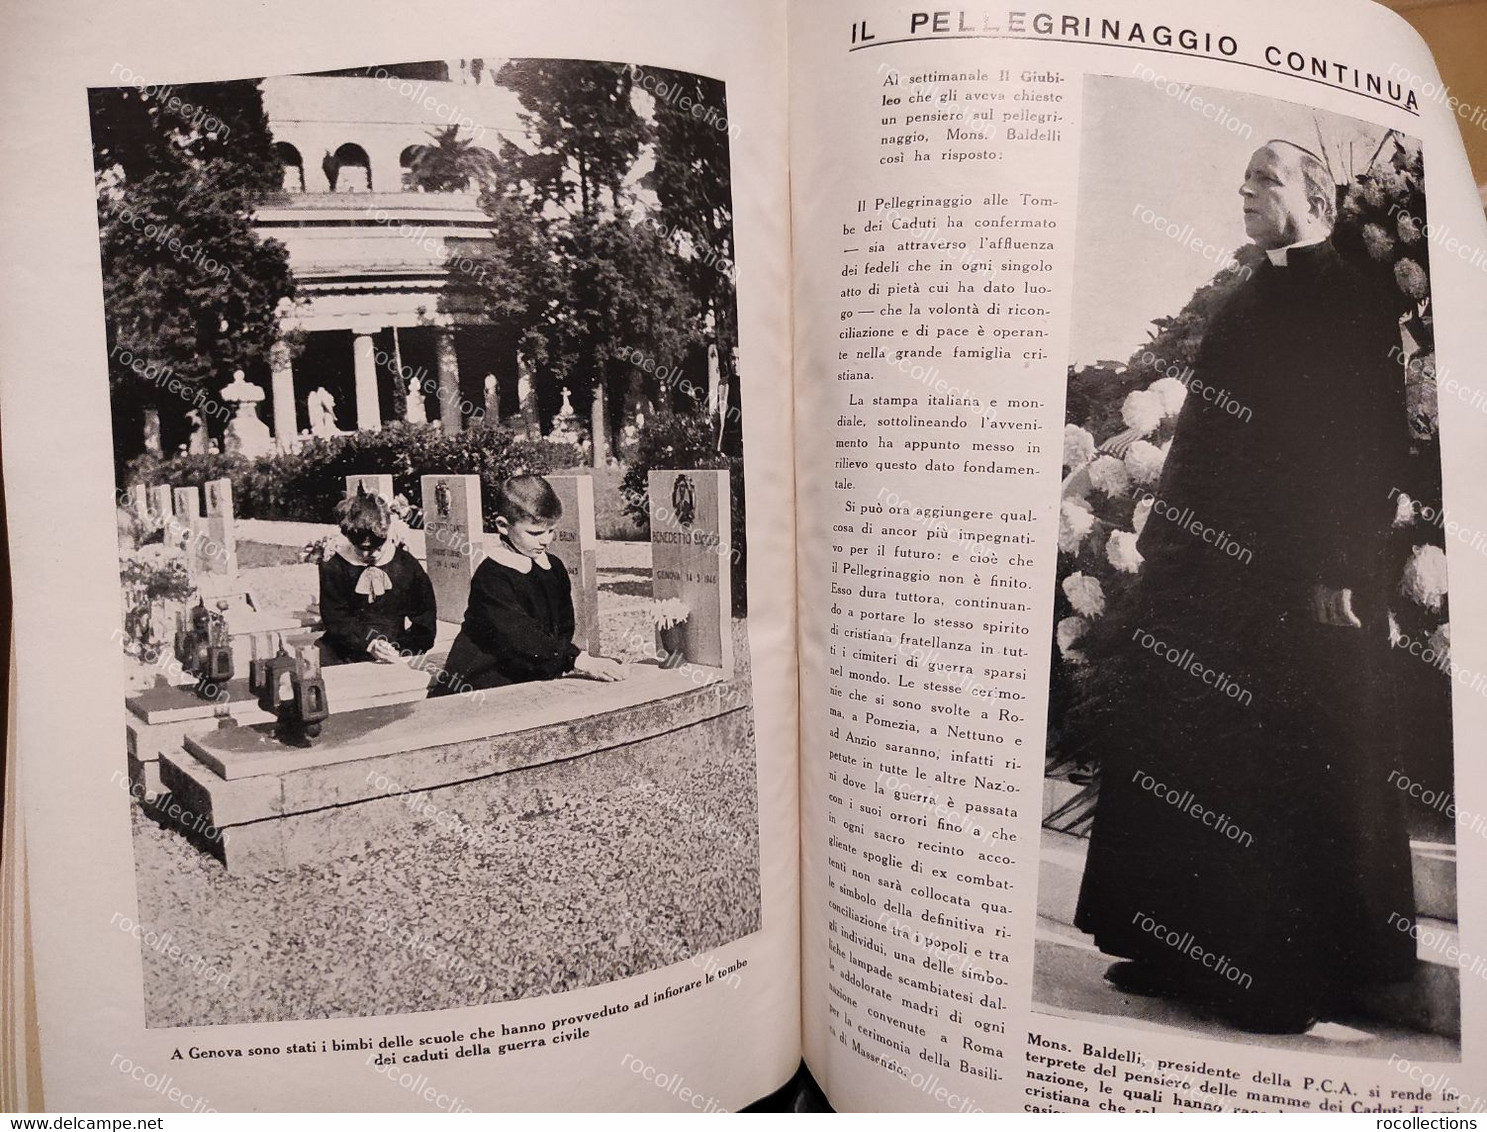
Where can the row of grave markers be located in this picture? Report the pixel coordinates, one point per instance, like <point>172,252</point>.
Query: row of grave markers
<point>206,538</point>
<point>690,548</point>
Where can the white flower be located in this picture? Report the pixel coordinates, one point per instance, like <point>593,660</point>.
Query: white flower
<point>1144,461</point>
<point>1108,474</point>
<point>1172,393</point>
<point>1142,513</point>
<point>1379,243</point>
<point>1439,643</point>
<point>1085,594</point>
<point>1069,630</point>
<point>1424,578</point>
<point>1142,411</point>
<point>1122,552</point>
<point>1404,510</point>
<point>1075,520</point>
<point>1079,446</point>
<point>1411,278</point>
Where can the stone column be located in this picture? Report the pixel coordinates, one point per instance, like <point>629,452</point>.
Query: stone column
<point>286,425</point>
<point>449,380</point>
<point>368,405</point>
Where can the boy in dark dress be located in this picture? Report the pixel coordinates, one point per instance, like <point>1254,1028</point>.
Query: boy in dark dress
<point>519,622</point>
<point>376,601</point>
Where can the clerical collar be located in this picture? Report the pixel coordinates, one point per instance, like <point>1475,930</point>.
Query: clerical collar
<point>1280,257</point>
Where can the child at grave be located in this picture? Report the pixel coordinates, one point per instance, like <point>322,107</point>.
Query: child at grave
<point>519,622</point>
<point>375,599</point>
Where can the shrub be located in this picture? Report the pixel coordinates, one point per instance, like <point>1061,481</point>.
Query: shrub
<point>306,485</point>
<point>677,440</point>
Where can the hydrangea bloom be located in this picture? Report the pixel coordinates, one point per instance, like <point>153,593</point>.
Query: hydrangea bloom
<point>1069,630</point>
<point>1424,578</point>
<point>1085,594</point>
<point>1144,462</point>
<point>1404,510</point>
<point>1439,643</point>
<point>1108,474</point>
<point>1409,228</point>
<point>1142,411</point>
<point>1122,553</point>
<point>1172,394</point>
<point>1412,279</point>
<point>1075,520</point>
<point>1379,243</point>
<point>1079,446</point>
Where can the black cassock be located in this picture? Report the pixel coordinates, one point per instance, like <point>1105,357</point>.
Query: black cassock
<point>1296,869</point>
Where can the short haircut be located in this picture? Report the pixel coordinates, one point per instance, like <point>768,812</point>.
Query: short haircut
<point>528,499</point>
<point>363,516</point>
<point>1318,178</point>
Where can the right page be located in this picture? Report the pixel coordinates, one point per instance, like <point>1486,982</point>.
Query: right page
<point>1139,416</point>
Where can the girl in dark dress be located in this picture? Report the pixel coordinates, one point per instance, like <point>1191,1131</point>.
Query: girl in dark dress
<point>376,601</point>
<point>519,622</point>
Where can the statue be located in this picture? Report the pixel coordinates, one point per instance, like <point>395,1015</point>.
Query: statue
<point>415,413</point>
<point>197,445</point>
<point>492,399</point>
<point>322,409</point>
<point>525,404</point>
<point>246,435</point>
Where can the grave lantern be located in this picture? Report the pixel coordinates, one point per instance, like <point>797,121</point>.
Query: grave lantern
<point>203,646</point>
<point>292,689</point>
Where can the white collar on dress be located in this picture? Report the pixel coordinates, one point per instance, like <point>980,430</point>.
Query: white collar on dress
<point>505,556</point>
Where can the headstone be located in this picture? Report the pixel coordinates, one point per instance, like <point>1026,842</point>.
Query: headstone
<point>573,542</point>
<point>217,549</point>
<point>182,531</point>
<point>691,521</point>
<point>161,505</point>
<point>452,534</point>
<point>372,484</point>
<point>137,502</point>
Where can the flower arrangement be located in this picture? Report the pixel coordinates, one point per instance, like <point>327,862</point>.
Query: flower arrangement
<point>670,618</point>
<point>151,578</point>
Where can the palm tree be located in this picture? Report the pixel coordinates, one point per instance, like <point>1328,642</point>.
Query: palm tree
<point>450,163</point>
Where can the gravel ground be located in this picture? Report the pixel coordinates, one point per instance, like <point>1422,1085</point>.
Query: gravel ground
<point>575,874</point>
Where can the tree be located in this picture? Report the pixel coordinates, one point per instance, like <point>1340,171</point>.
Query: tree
<point>693,184</point>
<point>450,164</point>
<point>569,264</point>
<point>191,292</point>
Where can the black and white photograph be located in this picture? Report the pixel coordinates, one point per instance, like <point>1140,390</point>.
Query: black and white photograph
<point>1249,821</point>
<point>427,416</point>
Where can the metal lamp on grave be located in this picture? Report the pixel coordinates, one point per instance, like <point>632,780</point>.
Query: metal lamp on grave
<point>203,646</point>
<point>292,689</point>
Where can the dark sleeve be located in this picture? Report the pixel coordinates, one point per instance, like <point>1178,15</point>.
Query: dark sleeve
<point>423,613</point>
<point>344,630</point>
<point>1369,441</point>
<point>499,622</point>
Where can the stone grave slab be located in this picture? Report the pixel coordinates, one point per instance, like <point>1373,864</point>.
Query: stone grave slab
<point>278,806</point>
<point>159,719</point>
<point>372,484</point>
<point>574,543</point>
<point>691,521</point>
<point>217,551</point>
<point>453,539</point>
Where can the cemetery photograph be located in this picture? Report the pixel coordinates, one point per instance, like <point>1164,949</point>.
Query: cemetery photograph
<point>428,456</point>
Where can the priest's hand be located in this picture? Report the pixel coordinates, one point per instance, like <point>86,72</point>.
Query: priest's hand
<point>1334,607</point>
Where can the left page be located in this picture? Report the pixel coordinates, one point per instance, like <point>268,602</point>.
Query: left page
<point>398,726</point>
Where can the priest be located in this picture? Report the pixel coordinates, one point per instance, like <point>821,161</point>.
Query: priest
<point>1248,852</point>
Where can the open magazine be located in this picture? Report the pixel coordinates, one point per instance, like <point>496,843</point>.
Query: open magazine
<point>573,556</point>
